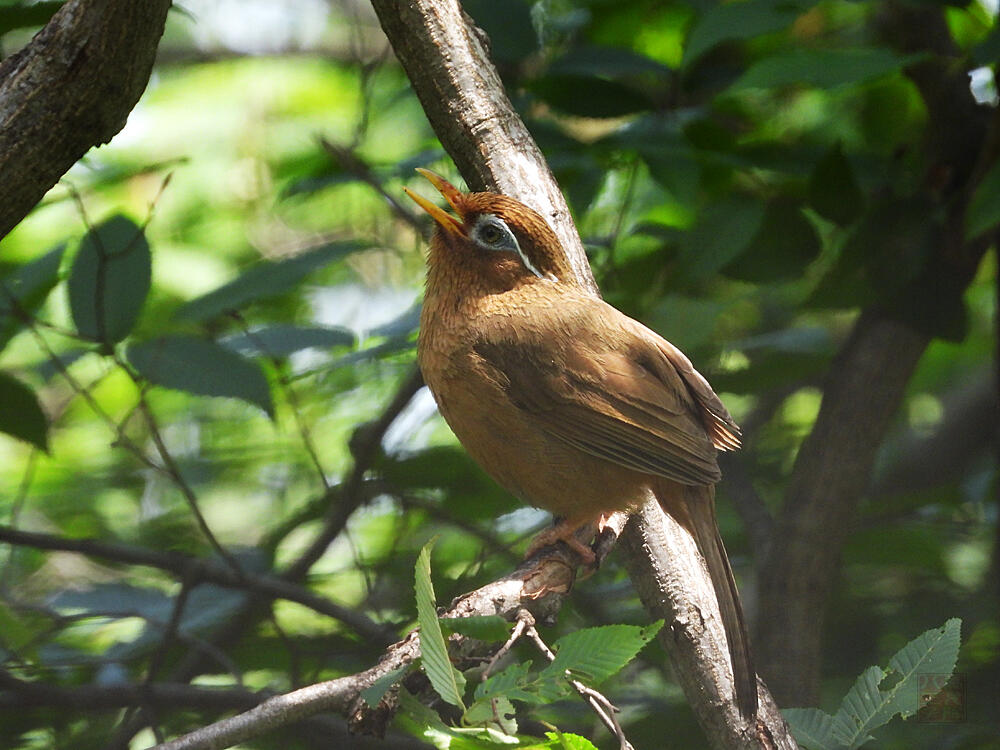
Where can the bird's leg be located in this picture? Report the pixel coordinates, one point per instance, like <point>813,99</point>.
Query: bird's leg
<point>565,531</point>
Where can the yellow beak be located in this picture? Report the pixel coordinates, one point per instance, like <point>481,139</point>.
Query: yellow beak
<point>451,194</point>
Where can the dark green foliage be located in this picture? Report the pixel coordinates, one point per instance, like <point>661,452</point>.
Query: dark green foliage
<point>109,280</point>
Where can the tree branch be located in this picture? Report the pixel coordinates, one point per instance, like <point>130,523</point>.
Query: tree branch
<point>537,585</point>
<point>197,570</point>
<point>70,89</point>
<point>446,59</point>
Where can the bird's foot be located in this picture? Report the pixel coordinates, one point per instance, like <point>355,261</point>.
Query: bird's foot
<point>564,531</point>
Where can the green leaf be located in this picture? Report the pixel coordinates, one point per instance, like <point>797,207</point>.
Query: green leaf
<point>567,741</point>
<point>446,680</point>
<point>27,287</point>
<point>606,62</point>
<point>738,20</point>
<point>513,683</point>
<point>380,687</point>
<point>202,367</point>
<point>833,191</point>
<point>812,728</point>
<point>821,68</point>
<point>264,280</point>
<point>722,234</point>
<point>585,96</point>
<point>867,707</point>
<point>490,628</point>
<point>282,340</point>
<point>983,212</point>
<point>109,280</point>
<point>594,654</point>
<point>783,246</point>
<point>20,414</point>
<point>25,15</point>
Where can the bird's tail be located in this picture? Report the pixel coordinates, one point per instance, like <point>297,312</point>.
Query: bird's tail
<point>697,514</point>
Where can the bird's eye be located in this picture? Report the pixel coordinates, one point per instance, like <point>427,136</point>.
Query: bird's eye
<point>491,234</point>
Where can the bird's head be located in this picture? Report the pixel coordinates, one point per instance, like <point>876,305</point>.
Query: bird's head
<point>493,235</point>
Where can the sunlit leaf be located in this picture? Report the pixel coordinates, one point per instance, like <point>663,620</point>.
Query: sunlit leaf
<point>594,654</point>
<point>202,367</point>
<point>265,280</point>
<point>868,706</point>
<point>20,414</point>
<point>447,681</point>
<point>109,280</point>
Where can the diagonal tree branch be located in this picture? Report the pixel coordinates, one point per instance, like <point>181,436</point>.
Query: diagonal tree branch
<point>70,89</point>
<point>446,59</point>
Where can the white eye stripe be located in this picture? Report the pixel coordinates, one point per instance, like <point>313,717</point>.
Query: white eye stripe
<point>504,241</point>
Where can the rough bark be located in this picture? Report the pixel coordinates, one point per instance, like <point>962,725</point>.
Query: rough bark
<point>447,62</point>
<point>70,89</point>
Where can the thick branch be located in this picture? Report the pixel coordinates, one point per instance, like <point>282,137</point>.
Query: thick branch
<point>71,88</point>
<point>445,58</point>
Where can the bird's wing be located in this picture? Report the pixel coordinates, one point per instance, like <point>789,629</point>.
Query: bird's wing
<point>636,401</point>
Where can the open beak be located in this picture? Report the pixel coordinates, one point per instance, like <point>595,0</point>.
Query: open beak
<point>444,219</point>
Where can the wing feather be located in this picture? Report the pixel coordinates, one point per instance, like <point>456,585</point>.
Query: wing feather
<point>637,402</point>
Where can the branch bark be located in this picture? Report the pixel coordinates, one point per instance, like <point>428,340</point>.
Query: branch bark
<point>446,59</point>
<point>538,585</point>
<point>70,89</point>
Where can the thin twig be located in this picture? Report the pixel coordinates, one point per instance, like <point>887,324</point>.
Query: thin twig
<point>601,706</point>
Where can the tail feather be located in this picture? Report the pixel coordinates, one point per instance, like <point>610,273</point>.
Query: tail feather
<point>699,509</point>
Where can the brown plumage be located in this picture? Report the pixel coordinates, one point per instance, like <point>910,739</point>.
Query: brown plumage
<point>567,402</point>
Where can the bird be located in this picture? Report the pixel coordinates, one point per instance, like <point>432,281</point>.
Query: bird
<point>568,403</point>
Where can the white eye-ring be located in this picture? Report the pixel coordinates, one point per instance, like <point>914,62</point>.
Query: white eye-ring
<point>491,232</point>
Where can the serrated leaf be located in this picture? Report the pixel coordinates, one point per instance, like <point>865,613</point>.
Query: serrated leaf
<point>201,367</point>
<point>983,212</point>
<point>263,281</point>
<point>488,628</point>
<point>867,707</point>
<point>282,340</point>
<point>511,682</point>
<point>446,680</point>
<point>932,652</point>
<point>811,727</point>
<point>594,654</point>
<point>109,280</point>
<point>20,414</point>
<point>27,287</point>
<point>373,694</point>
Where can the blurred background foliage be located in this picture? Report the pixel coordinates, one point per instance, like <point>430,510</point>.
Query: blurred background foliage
<point>746,177</point>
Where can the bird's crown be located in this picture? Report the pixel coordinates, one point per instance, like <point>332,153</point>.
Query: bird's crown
<point>487,223</point>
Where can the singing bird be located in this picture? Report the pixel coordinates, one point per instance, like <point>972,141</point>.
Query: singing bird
<point>567,402</point>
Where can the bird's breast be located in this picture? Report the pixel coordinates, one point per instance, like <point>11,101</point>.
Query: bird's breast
<point>505,440</point>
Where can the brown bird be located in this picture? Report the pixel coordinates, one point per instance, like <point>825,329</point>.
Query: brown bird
<point>567,402</point>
